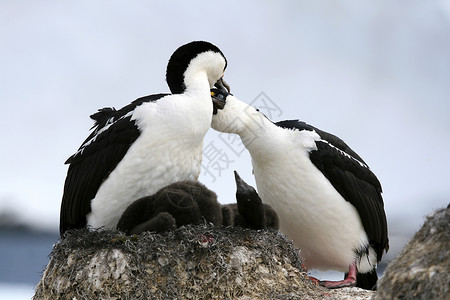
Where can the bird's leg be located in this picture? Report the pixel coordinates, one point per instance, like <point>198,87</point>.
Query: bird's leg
<point>314,280</point>
<point>349,281</point>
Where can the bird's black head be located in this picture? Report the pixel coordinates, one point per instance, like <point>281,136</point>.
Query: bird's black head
<point>180,60</point>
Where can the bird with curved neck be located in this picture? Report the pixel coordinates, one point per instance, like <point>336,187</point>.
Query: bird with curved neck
<point>148,144</point>
<point>328,200</point>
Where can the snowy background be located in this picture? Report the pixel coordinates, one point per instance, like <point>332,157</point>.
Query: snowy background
<point>375,73</point>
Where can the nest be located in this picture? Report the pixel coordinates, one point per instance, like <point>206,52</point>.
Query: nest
<point>192,262</point>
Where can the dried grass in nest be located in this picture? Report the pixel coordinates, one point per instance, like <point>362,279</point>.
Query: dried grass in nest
<point>192,262</point>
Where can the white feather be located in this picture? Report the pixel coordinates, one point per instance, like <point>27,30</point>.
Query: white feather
<point>312,213</point>
<point>169,148</point>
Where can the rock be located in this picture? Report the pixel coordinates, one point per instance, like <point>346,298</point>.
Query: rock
<point>192,262</point>
<point>350,294</point>
<point>422,269</point>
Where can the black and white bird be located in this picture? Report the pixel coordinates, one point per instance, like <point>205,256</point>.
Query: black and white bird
<point>152,142</point>
<point>328,200</point>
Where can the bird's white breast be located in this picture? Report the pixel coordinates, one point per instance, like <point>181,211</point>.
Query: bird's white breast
<point>312,213</point>
<point>168,150</point>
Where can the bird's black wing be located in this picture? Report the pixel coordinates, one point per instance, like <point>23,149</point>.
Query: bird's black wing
<point>96,158</point>
<point>353,179</point>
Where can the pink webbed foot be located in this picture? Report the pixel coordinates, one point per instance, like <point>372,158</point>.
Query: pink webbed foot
<point>349,281</point>
<point>314,280</point>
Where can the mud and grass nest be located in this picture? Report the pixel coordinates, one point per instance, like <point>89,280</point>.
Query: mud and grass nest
<point>192,262</point>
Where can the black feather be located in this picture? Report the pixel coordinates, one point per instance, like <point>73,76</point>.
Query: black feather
<point>97,157</point>
<point>353,179</point>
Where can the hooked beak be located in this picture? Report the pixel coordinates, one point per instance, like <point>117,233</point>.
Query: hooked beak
<point>219,94</point>
<point>218,100</point>
<point>222,85</point>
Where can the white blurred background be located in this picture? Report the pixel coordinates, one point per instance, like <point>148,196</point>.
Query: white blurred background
<point>375,73</point>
